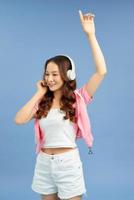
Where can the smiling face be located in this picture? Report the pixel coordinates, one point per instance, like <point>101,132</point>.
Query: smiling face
<point>53,77</point>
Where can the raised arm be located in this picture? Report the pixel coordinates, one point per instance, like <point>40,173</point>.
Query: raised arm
<point>27,112</point>
<point>88,26</point>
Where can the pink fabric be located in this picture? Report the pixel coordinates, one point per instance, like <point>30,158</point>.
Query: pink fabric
<point>83,92</point>
<point>83,125</point>
<point>39,136</point>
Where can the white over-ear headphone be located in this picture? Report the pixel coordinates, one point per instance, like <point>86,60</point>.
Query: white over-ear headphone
<point>71,72</point>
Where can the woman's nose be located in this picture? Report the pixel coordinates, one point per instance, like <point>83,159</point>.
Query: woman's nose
<point>49,78</point>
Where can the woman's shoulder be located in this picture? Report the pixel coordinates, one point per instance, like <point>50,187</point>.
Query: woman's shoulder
<point>82,92</point>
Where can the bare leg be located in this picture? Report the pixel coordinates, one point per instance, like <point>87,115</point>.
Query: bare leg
<point>49,197</point>
<point>74,198</point>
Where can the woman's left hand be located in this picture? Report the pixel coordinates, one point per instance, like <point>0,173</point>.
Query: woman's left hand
<point>87,22</point>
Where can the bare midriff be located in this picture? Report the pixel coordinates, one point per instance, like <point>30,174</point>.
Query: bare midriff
<point>56,150</point>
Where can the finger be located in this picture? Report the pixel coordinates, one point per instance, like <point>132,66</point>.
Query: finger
<point>89,14</point>
<point>45,83</point>
<point>86,17</point>
<point>91,17</point>
<point>81,16</point>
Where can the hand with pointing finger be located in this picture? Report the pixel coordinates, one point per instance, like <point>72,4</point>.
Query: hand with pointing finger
<point>87,21</point>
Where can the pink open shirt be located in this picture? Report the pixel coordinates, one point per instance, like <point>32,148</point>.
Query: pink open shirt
<point>82,127</point>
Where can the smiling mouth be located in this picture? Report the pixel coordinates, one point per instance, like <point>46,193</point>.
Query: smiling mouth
<point>52,85</point>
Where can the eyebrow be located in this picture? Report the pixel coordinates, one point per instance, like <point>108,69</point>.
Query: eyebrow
<point>52,71</point>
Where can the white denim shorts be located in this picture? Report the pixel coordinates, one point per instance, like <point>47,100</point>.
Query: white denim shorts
<point>59,173</point>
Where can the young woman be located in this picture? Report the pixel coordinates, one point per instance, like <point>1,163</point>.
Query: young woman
<point>60,114</point>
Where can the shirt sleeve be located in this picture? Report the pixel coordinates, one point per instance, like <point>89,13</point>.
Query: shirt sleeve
<point>83,92</point>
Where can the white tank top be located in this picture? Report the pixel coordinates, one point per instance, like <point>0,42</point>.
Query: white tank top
<point>58,131</point>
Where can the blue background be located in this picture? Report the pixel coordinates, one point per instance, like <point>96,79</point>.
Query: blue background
<point>32,31</point>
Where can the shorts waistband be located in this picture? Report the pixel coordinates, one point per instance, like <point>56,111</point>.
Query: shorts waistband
<point>67,153</point>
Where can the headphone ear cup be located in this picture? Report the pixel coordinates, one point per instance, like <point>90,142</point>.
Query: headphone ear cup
<point>70,74</point>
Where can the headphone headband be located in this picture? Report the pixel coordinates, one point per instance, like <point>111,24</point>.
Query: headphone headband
<point>71,72</point>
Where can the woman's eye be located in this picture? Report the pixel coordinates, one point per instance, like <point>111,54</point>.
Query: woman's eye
<point>53,74</point>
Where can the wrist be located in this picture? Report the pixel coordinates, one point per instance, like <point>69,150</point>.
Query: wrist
<point>91,35</point>
<point>40,93</point>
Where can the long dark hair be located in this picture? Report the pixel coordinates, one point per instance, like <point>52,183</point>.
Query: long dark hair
<point>68,96</point>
